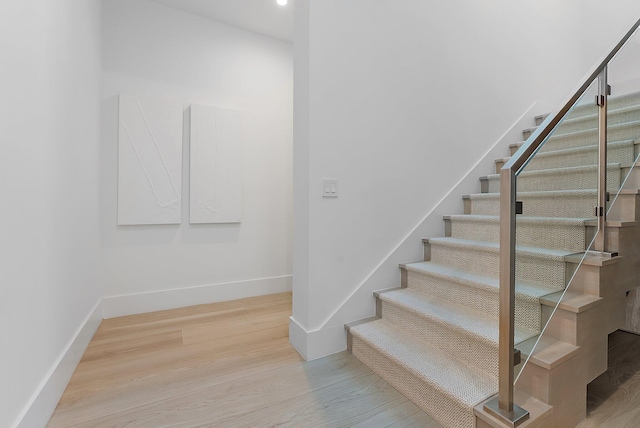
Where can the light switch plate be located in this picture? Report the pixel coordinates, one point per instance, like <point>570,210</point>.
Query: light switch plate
<point>329,188</point>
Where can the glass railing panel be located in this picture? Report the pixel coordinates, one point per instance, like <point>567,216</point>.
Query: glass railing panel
<point>623,132</point>
<point>560,237</point>
<point>558,190</point>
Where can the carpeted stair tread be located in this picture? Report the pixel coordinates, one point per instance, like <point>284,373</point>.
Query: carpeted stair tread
<point>479,292</point>
<point>539,265</point>
<point>440,383</point>
<point>495,247</point>
<point>448,326</point>
<point>457,316</point>
<point>535,291</point>
<point>550,232</point>
<point>560,203</point>
<point>587,137</point>
<point>564,178</point>
<point>615,116</point>
<point>618,151</point>
<point>614,103</point>
<point>478,218</point>
<point>437,338</point>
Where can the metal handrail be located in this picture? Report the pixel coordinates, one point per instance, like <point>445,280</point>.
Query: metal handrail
<point>504,406</point>
<point>542,132</point>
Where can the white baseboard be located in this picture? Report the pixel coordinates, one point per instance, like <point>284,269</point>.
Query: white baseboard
<point>39,409</point>
<point>316,344</point>
<point>130,304</point>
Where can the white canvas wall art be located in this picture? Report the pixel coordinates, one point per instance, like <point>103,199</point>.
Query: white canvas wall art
<point>215,165</point>
<point>149,161</point>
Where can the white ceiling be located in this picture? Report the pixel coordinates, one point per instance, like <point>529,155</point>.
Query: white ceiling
<point>261,16</point>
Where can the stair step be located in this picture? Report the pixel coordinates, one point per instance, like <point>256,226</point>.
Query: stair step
<point>587,137</point>
<point>435,339</point>
<point>540,118</point>
<point>441,384</point>
<point>570,301</point>
<point>559,203</point>
<point>613,103</point>
<point>451,327</point>
<point>572,124</point>
<point>622,152</point>
<point>547,232</point>
<point>567,178</point>
<point>547,352</point>
<point>480,293</point>
<point>535,265</point>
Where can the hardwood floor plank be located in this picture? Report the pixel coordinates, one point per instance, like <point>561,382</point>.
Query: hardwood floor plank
<point>216,331</point>
<point>198,309</point>
<point>341,404</point>
<point>82,407</point>
<point>231,399</point>
<point>97,375</point>
<point>107,334</point>
<point>147,343</point>
<point>613,397</point>
<point>404,414</point>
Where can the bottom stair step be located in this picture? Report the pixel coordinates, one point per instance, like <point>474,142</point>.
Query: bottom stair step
<point>438,382</point>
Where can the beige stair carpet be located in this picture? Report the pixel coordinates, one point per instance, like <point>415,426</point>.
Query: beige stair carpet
<point>437,340</point>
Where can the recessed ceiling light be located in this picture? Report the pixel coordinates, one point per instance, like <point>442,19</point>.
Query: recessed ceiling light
<point>282,2</point>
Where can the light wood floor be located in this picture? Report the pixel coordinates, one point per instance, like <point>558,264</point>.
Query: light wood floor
<point>224,365</point>
<point>230,365</point>
<point>613,399</point>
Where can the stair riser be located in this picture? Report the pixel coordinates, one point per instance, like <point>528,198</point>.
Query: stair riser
<point>530,268</point>
<point>563,387</point>
<point>476,298</point>
<point>578,180</point>
<point>617,153</point>
<point>439,406</point>
<point>630,177</point>
<point>445,336</point>
<point>576,206</point>
<point>542,235</point>
<point>625,208</point>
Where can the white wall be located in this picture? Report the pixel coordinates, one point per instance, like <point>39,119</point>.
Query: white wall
<point>603,25</point>
<point>401,99</point>
<point>50,84</point>
<point>606,24</point>
<point>153,50</point>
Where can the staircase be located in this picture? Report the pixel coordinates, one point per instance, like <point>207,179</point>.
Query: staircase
<point>435,338</point>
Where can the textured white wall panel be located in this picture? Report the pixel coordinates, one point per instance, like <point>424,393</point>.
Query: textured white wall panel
<point>216,165</point>
<point>149,161</point>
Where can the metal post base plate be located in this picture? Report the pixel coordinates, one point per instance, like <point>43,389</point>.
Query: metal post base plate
<point>514,418</point>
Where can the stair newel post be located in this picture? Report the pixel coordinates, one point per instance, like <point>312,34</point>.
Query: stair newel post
<point>507,288</point>
<point>503,406</point>
<point>601,210</point>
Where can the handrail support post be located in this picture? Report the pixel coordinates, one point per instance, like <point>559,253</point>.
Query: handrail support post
<point>503,406</point>
<point>601,208</point>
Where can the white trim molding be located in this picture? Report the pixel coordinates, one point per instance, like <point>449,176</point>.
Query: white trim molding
<point>138,303</point>
<point>40,407</point>
<point>319,343</point>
